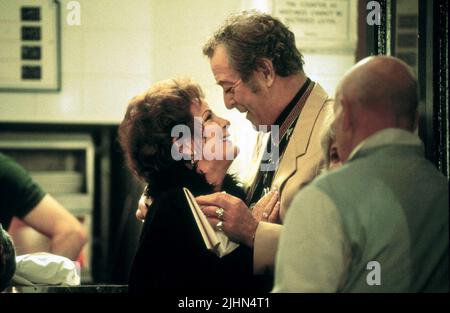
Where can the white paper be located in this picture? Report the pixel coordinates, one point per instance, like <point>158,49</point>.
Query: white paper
<point>215,241</point>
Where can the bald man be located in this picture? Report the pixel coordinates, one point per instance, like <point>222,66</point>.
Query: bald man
<point>380,222</point>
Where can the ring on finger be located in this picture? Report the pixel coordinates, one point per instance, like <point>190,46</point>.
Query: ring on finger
<point>219,226</point>
<point>219,213</point>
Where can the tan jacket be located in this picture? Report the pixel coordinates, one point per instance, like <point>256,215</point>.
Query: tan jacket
<point>301,163</point>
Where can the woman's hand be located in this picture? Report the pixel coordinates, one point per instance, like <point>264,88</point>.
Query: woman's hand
<point>267,209</point>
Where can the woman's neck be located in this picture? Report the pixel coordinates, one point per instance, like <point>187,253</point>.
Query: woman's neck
<point>214,172</point>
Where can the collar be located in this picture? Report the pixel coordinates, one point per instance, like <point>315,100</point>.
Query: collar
<point>293,109</point>
<point>284,114</point>
<point>389,136</point>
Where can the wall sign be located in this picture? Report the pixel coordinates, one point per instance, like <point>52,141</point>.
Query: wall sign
<point>317,24</point>
<point>29,45</point>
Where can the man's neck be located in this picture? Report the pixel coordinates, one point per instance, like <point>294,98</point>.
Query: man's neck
<point>370,123</point>
<point>284,90</point>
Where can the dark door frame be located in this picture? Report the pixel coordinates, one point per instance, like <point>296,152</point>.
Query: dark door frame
<point>432,67</point>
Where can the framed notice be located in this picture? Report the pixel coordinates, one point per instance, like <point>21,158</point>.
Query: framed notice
<point>30,45</point>
<point>318,24</point>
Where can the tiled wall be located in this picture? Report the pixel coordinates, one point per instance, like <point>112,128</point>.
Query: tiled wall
<point>104,61</point>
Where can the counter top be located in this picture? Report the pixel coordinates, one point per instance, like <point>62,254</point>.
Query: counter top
<point>100,288</point>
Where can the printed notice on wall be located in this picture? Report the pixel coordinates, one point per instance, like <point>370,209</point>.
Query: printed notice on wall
<point>317,24</point>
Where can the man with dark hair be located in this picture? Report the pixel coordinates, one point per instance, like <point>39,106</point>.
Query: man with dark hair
<point>249,38</point>
<point>254,58</point>
<point>251,47</point>
<point>379,223</point>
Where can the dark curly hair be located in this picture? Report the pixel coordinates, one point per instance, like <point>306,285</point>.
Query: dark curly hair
<point>250,36</point>
<point>145,132</point>
<point>7,259</point>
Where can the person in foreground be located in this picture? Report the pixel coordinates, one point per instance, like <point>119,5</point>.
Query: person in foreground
<point>379,223</point>
<point>171,252</point>
<point>7,259</point>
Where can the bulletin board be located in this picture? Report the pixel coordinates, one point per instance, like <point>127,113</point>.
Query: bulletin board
<point>318,25</point>
<point>30,45</point>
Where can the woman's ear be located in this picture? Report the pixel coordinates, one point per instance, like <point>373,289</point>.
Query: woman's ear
<point>265,67</point>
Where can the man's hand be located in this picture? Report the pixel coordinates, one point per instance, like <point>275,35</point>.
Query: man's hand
<point>238,223</point>
<point>267,209</point>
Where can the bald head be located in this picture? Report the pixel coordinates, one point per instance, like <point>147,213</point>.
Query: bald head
<point>377,93</point>
<point>384,85</point>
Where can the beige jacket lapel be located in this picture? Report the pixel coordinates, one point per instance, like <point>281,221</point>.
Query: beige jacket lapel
<point>298,144</point>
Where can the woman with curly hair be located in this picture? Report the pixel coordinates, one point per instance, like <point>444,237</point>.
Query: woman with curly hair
<point>171,252</point>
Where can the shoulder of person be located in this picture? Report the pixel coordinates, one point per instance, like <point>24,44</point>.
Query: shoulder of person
<point>10,169</point>
<point>170,196</point>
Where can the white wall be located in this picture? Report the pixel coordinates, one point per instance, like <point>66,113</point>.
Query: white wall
<point>104,61</point>
<point>121,47</point>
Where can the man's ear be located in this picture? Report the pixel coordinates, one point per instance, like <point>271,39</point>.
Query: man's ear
<point>265,67</point>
